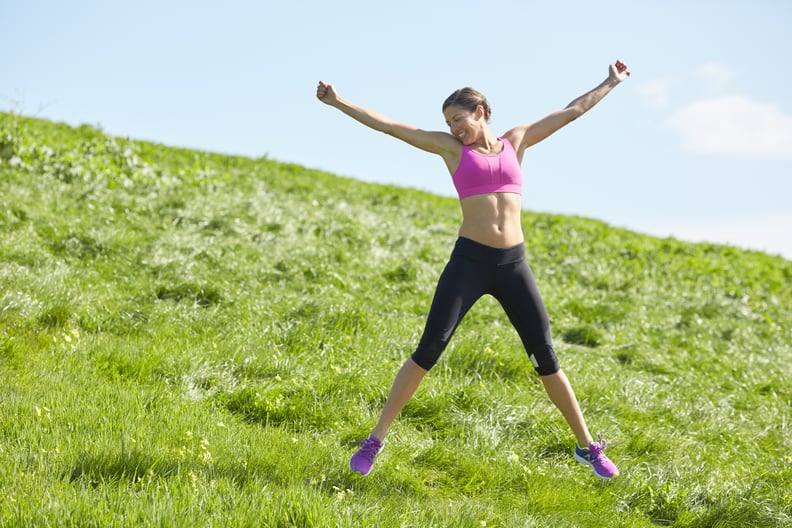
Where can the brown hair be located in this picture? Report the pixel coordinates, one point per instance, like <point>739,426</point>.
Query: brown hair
<point>469,99</point>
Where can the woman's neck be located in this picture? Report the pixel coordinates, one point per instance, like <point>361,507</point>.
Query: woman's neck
<point>486,143</point>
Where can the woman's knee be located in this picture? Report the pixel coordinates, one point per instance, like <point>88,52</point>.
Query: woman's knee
<point>427,354</point>
<point>544,360</point>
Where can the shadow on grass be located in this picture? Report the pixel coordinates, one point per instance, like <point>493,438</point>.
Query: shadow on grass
<point>126,466</point>
<point>133,467</point>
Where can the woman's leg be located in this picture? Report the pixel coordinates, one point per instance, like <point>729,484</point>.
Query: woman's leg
<point>460,285</point>
<point>561,394</point>
<point>455,294</point>
<point>587,451</point>
<point>520,298</point>
<point>404,386</point>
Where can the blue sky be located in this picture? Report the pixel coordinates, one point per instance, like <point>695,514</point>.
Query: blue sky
<point>697,144</point>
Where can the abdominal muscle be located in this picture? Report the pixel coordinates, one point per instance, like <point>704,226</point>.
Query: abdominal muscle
<point>492,219</point>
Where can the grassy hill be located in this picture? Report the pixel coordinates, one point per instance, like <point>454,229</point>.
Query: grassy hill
<point>193,339</point>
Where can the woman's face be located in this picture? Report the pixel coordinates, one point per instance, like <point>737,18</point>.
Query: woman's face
<point>463,123</point>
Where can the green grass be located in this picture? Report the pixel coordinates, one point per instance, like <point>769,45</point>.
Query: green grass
<point>192,339</point>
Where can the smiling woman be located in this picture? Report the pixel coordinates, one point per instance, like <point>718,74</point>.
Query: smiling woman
<point>489,256</point>
<point>469,99</point>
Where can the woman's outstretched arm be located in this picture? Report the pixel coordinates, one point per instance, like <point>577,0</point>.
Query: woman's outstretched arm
<point>526,135</point>
<point>441,143</point>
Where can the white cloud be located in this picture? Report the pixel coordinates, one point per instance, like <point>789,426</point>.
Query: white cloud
<point>768,232</point>
<point>734,124</point>
<point>655,93</point>
<point>717,74</point>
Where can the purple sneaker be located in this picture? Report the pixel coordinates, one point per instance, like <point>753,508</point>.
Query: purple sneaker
<point>364,458</point>
<point>594,457</point>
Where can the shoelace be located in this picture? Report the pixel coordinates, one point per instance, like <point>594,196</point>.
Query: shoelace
<point>595,450</point>
<point>368,448</point>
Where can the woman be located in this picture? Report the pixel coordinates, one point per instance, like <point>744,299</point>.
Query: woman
<point>489,256</point>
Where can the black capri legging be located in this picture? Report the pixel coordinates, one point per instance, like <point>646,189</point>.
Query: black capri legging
<point>473,271</point>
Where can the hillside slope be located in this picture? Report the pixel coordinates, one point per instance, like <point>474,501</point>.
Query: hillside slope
<point>148,294</point>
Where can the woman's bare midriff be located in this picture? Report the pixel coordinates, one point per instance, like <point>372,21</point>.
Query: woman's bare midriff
<point>492,219</point>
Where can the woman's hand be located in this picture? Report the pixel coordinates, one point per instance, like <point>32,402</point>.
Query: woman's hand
<point>618,71</point>
<point>326,93</point>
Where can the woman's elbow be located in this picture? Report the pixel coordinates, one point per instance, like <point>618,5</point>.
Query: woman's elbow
<point>573,113</point>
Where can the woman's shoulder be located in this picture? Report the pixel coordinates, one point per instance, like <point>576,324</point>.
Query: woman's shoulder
<point>513,136</point>
<point>507,142</point>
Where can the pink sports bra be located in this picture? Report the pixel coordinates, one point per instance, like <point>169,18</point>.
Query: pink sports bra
<point>484,173</point>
